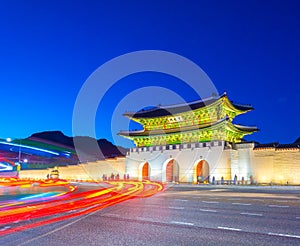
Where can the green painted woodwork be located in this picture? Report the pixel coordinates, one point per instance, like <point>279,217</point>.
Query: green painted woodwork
<point>222,131</point>
<point>209,114</point>
<point>211,122</point>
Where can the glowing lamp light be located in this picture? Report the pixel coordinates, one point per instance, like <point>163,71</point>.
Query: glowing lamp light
<point>264,179</point>
<point>25,160</point>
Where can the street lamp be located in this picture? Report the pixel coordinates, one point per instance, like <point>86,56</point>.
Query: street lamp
<point>19,155</point>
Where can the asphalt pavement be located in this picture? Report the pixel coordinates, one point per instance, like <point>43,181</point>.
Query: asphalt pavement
<point>182,215</point>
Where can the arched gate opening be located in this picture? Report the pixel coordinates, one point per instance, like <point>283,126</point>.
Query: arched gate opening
<point>172,171</point>
<point>201,172</point>
<point>146,171</point>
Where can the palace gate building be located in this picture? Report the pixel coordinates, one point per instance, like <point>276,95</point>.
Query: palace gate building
<point>198,141</point>
<point>188,142</point>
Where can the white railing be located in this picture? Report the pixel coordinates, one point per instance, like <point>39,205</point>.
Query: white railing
<point>176,146</point>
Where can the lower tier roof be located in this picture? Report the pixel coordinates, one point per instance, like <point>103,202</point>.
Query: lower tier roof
<point>207,126</point>
<point>221,130</point>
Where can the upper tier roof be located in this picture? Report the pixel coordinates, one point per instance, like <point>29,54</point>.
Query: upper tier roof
<point>143,132</point>
<point>160,111</point>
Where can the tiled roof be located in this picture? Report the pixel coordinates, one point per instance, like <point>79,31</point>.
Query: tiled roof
<point>277,146</point>
<point>160,111</point>
<point>186,128</point>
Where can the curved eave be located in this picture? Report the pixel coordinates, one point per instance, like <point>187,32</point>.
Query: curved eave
<point>132,133</point>
<point>242,108</point>
<point>238,128</point>
<point>246,128</point>
<point>162,111</point>
<point>173,109</point>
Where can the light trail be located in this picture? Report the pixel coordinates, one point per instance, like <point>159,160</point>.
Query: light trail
<point>65,202</point>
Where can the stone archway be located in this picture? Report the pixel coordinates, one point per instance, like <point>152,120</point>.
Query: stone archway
<point>201,172</point>
<point>146,171</point>
<point>172,171</point>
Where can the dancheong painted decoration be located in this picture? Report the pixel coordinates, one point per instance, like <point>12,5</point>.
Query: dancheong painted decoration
<point>199,121</point>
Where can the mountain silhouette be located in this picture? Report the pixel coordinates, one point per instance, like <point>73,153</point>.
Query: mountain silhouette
<point>89,148</point>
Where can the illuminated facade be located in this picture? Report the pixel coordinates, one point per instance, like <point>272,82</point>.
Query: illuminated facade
<point>198,142</point>
<point>200,121</point>
<point>191,142</point>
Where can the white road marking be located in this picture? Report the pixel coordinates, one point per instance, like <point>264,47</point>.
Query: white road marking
<point>182,223</point>
<point>209,202</point>
<point>297,218</point>
<point>234,199</point>
<point>283,235</point>
<point>281,201</point>
<point>242,204</point>
<point>229,228</point>
<point>278,206</point>
<point>176,207</point>
<point>114,215</point>
<point>251,214</point>
<point>261,200</point>
<point>146,219</point>
<point>208,210</point>
<point>182,200</point>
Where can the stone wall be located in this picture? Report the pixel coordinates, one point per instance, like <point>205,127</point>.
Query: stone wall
<point>87,171</point>
<point>265,166</point>
<point>275,166</point>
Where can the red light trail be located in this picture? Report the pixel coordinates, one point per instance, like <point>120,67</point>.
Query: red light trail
<point>58,200</point>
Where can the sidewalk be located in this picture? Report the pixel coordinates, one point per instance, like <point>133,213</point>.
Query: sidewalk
<point>210,186</point>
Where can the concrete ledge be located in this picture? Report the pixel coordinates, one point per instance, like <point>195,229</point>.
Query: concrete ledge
<point>209,186</point>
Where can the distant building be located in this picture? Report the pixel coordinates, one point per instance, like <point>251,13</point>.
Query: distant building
<point>8,168</point>
<point>198,142</point>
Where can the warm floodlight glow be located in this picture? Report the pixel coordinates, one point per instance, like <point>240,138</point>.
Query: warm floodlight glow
<point>49,207</point>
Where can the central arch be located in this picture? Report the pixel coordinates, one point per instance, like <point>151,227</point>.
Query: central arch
<point>170,171</point>
<point>201,172</point>
<point>145,171</point>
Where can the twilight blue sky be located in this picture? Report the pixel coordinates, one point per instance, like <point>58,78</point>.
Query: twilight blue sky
<point>49,48</point>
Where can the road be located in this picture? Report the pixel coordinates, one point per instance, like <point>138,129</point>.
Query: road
<point>181,215</point>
